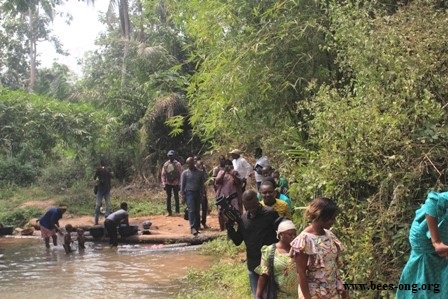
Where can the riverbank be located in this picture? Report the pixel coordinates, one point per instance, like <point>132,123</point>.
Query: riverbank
<point>163,229</point>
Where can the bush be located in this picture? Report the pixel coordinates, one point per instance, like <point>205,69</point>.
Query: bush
<point>62,175</point>
<point>12,171</point>
<point>19,217</point>
<point>223,280</point>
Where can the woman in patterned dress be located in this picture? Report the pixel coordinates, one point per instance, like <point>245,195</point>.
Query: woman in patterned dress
<point>284,266</point>
<point>316,252</point>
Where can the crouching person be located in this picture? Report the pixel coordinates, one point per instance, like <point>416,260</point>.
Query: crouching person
<point>114,220</point>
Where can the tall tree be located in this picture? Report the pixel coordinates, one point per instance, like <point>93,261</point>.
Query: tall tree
<point>125,26</point>
<point>27,22</point>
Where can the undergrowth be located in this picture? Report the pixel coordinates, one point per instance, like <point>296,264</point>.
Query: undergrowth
<point>227,278</point>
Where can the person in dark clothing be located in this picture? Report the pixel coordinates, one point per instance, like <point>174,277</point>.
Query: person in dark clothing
<point>114,220</point>
<point>170,177</point>
<point>192,188</point>
<point>49,224</point>
<point>205,210</point>
<point>103,176</point>
<point>256,228</point>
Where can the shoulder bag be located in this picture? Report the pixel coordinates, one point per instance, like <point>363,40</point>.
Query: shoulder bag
<point>271,288</point>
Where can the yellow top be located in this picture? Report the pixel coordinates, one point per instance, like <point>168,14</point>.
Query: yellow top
<point>281,207</point>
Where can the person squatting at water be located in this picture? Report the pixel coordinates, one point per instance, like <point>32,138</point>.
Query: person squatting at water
<point>104,176</point>
<point>191,188</point>
<point>49,224</point>
<point>316,251</point>
<point>114,220</point>
<point>256,228</point>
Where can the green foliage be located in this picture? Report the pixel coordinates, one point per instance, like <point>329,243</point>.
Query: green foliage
<point>347,99</point>
<point>377,137</point>
<point>158,135</point>
<point>79,200</point>
<point>37,129</point>
<point>222,247</point>
<point>224,279</point>
<point>19,217</point>
<point>253,63</point>
<point>54,82</point>
<point>24,23</point>
<point>61,175</point>
<point>146,206</point>
<point>13,171</point>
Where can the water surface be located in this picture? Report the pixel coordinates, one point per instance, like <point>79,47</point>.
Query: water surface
<point>27,269</point>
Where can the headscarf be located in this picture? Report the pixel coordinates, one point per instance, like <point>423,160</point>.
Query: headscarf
<point>284,226</point>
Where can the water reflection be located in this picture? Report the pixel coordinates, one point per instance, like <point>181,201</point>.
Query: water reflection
<point>28,269</point>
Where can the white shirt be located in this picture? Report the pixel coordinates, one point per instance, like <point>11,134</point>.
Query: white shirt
<point>242,166</point>
<point>263,162</point>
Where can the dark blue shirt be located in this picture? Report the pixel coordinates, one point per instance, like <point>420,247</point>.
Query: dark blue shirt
<point>50,218</point>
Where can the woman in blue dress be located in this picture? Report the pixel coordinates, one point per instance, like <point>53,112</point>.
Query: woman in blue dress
<point>426,272</point>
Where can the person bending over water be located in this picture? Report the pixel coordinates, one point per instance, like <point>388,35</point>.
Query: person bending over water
<point>49,225</point>
<point>114,220</point>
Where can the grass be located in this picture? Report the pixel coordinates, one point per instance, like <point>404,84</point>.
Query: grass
<point>80,201</point>
<point>12,209</point>
<point>227,278</point>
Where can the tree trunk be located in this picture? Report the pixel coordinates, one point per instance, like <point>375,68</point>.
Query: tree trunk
<point>32,49</point>
<point>126,36</point>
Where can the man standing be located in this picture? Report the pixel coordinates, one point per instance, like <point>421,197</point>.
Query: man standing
<point>104,176</point>
<point>256,228</point>
<point>170,176</point>
<point>241,166</point>
<point>204,200</point>
<point>49,225</point>
<point>192,187</point>
<point>262,161</point>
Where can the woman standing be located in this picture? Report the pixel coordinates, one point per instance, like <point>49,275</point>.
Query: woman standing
<point>284,268</point>
<point>427,265</point>
<point>316,252</point>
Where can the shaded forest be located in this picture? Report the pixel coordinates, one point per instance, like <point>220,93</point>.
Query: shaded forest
<point>347,98</point>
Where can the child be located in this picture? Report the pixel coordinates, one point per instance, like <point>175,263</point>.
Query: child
<point>68,238</point>
<point>316,252</point>
<point>81,239</point>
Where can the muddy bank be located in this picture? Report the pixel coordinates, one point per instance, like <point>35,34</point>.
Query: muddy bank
<point>163,229</point>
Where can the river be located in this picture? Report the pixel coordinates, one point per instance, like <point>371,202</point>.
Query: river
<point>29,270</point>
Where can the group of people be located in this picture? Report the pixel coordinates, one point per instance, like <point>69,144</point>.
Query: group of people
<point>300,266</point>
<point>303,266</point>
<point>229,177</point>
<point>49,227</point>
